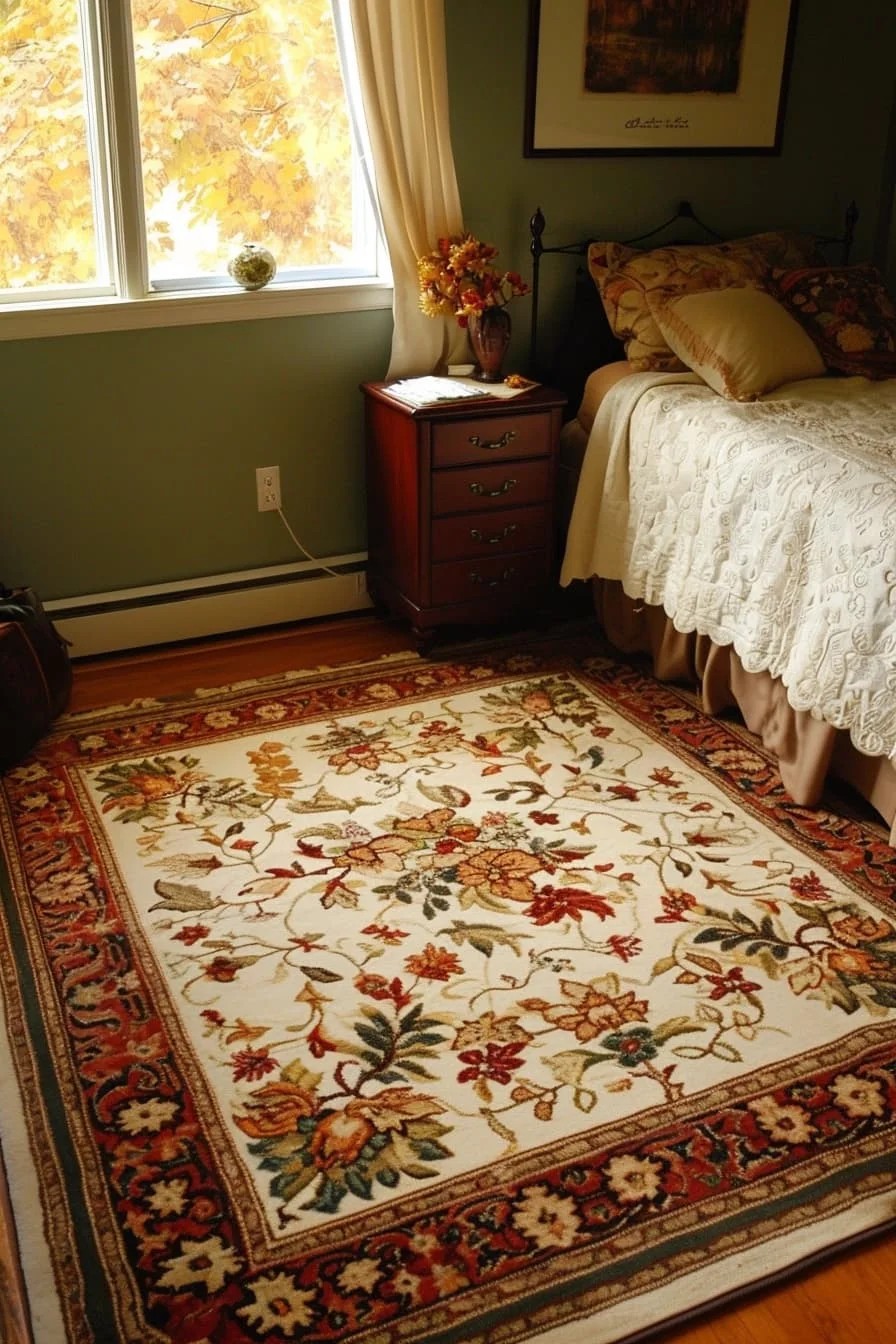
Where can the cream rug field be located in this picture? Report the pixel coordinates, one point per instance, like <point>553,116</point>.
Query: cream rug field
<point>432,1001</point>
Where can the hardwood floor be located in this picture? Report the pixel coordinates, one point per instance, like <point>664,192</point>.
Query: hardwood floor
<point>850,1299</point>
<point>115,679</point>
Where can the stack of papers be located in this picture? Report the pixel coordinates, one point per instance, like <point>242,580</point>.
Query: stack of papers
<point>430,390</point>
<point>426,391</point>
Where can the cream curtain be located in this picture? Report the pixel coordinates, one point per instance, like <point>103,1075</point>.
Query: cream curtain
<point>400,47</point>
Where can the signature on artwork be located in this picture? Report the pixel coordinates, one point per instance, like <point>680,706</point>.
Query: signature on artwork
<point>658,124</point>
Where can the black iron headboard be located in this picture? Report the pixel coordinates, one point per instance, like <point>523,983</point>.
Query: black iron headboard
<point>588,341</point>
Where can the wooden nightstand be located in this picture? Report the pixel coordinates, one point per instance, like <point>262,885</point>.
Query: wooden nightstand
<point>460,506</point>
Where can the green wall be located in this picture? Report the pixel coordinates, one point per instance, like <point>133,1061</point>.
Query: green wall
<point>128,458</point>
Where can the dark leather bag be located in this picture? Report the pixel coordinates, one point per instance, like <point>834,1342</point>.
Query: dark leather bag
<point>35,673</point>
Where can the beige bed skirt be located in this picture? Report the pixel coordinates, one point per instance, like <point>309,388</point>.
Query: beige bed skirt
<point>808,750</point>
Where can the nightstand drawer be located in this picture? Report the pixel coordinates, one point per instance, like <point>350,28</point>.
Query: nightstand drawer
<point>489,577</point>
<point>480,487</point>
<point>490,438</point>
<point>495,533</point>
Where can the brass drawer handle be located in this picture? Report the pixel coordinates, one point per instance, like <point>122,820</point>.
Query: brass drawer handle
<point>507,437</point>
<point>478,489</point>
<point>492,583</point>
<point>499,536</point>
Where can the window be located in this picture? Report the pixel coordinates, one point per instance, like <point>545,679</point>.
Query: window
<point>142,142</point>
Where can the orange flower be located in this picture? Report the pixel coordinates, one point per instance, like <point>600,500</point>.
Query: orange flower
<point>851,961</point>
<point>857,929</point>
<point>274,769</point>
<point>433,963</point>
<point>381,855</point>
<point>339,1138</point>
<point>276,1109</point>
<point>463,830</point>
<point>501,874</point>
<point>438,822</point>
<point>160,786</point>
<point>146,787</point>
<point>589,1012</point>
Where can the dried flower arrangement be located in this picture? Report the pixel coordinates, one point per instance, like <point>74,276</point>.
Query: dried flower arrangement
<point>459,279</point>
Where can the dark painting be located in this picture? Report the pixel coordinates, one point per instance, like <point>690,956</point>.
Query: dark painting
<point>664,46</point>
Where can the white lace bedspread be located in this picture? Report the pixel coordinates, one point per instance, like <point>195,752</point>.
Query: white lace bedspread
<point>768,525</point>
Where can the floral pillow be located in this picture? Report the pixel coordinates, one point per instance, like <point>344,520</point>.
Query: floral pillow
<point>626,278</point>
<point>847,312</point>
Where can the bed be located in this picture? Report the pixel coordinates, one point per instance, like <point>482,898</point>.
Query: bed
<point>728,484</point>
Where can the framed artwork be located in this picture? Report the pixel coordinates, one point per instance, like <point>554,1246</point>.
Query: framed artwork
<point>657,76</point>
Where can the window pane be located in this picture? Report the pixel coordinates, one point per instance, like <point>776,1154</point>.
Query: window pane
<point>244,135</point>
<point>47,230</point>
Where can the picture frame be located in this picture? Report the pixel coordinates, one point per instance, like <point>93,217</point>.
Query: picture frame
<point>599,83</point>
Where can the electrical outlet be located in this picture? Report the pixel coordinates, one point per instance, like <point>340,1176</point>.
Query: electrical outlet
<point>267,488</point>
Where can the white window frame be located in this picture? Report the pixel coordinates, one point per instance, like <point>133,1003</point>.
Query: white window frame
<point>130,304</point>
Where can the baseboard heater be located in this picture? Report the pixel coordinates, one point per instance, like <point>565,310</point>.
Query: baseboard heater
<point>169,613</point>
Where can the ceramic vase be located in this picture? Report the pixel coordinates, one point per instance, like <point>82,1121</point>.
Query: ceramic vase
<point>489,333</point>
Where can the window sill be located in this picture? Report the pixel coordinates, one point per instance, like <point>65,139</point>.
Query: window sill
<point>28,321</point>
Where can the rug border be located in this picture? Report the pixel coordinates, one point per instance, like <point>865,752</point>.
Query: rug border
<point>879,1220</point>
<point>56,1162</point>
<point>37,1188</point>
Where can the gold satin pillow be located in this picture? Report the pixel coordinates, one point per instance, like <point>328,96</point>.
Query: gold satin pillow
<point>740,341</point>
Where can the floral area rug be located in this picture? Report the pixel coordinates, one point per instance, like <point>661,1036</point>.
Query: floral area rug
<point>432,1001</point>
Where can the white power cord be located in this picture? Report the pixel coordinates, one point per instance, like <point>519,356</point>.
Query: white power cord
<point>306,553</point>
